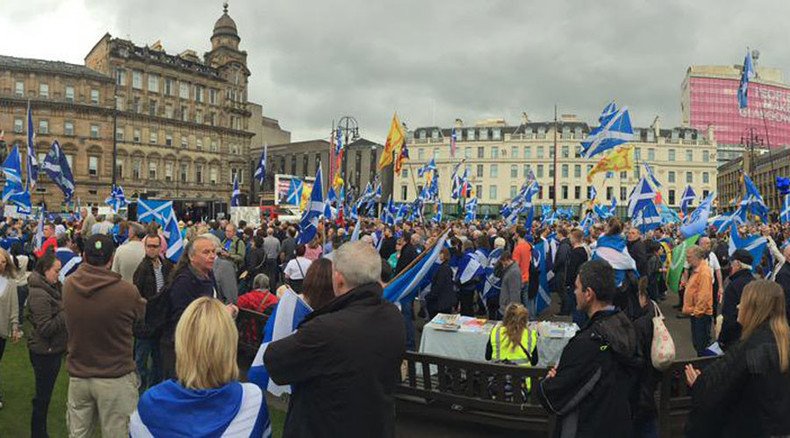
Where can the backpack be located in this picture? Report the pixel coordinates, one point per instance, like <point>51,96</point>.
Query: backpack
<point>627,296</point>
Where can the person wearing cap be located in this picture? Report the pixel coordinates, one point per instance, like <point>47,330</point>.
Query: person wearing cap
<point>100,310</point>
<point>740,275</point>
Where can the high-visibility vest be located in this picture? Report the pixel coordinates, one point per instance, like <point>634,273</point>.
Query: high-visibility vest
<point>502,351</point>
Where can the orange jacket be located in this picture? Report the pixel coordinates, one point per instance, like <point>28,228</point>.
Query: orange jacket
<point>522,255</point>
<point>698,299</point>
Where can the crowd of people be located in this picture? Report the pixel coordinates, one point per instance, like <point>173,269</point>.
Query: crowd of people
<point>146,339</point>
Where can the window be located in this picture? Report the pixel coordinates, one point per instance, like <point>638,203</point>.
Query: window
<point>577,192</point>
<point>671,197</point>
<point>479,171</point>
<point>137,168</point>
<point>137,79</point>
<point>483,133</point>
<point>199,144</point>
<point>69,93</point>
<point>705,178</point>
<point>212,96</point>
<point>689,155</point>
<point>609,193</point>
<point>168,171</point>
<point>169,111</point>
<point>420,154</point>
<point>152,107</point>
<point>623,175</point>
<point>184,171</point>
<point>184,113</point>
<point>19,126</point>
<point>689,177</point>
<point>637,153</point>
<point>184,142</point>
<point>623,193</point>
<point>705,156</point>
<point>514,152</point>
<point>514,171</point>
<point>119,101</point>
<point>671,176</point>
<point>551,171</point>
<point>94,131</point>
<point>94,96</point>
<point>496,134</point>
<point>527,152</point>
<point>470,134</point>
<point>467,153</point>
<point>525,170</point>
<point>153,136</point>
<point>183,90</point>
<point>551,152</point>
<point>540,171</point>
<point>19,89</point>
<point>651,154</point>
<point>513,191</point>
<point>480,152</point>
<point>564,190</point>
<point>198,116</point>
<point>136,104</point>
<point>478,191</point>
<point>168,139</point>
<point>564,170</point>
<point>168,91</point>
<point>492,192</point>
<point>494,171</point>
<point>671,155</point>
<point>120,76</point>
<point>577,171</point>
<point>136,137</point>
<point>199,93</point>
<point>213,175</point>
<point>566,151</point>
<point>199,173</point>
<point>215,147</point>
<point>495,152</point>
<point>119,134</point>
<point>436,153</point>
<point>153,83</point>
<point>119,167</point>
<point>705,193</point>
<point>93,166</point>
<point>43,127</point>
<point>152,170</point>
<point>43,91</point>
<point>540,151</point>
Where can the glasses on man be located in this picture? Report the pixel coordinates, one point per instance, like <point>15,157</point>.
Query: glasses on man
<point>152,246</point>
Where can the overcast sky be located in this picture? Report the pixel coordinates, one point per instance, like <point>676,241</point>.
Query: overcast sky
<point>432,61</point>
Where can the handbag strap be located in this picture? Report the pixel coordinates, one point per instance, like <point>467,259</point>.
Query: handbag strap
<point>656,310</point>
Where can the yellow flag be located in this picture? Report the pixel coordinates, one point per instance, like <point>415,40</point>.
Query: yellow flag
<point>395,140</point>
<point>306,191</point>
<point>619,160</point>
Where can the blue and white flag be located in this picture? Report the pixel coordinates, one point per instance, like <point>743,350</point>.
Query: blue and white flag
<point>586,223</point>
<point>338,141</point>
<point>117,199</point>
<point>294,196</point>
<point>649,171</point>
<point>438,216</point>
<point>785,216</point>
<point>755,244</point>
<point>592,193</point>
<point>175,242</point>
<point>57,168</point>
<point>615,129</point>
<point>469,268</point>
<point>698,219</point>
<point>234,197</point>
<point>38,239</point>
<point>543,298</point>
<point>647,218</point>
<point>388,213</point>
<point>69,261</point>
<point>308,226</point>
<point>32,162</point>
<point>12,169</point>
<point>429,167</point>
<point>747,75</point>
<point>753,200</point>
<point>260,171</point>
<point>642,195</point>
<point>149,210</point>
<point>411,281</point>
<point>614,250</point>
<point>470,210</point>
<point>493,284</point>
<point>687,198</point>
<point>283,322</point>
<point>331,196</point>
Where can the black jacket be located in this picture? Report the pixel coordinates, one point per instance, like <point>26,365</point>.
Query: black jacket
<point>637,251</point>
<point>256,263</point>
<point>743,393</point>
<point>730,329</point>
<point>561,265</point>
<point>783,278</point>
<point>575,261</point>
<point>407,255</point>
<point>649,377</point>
<point>387,247</point>
<point>596,380</point>
<point>343,363</point>
<point>185,288</point>
<point>442,295</point>
<point>156,302</point>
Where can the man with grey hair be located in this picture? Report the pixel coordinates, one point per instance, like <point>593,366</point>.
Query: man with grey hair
<point>224,274</point>
<point>345,357</point>
<point>129,255</point>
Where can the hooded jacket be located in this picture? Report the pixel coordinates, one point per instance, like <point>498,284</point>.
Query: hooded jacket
<point>596,381</point>
<point>45,313</point>
<point>101,310</point>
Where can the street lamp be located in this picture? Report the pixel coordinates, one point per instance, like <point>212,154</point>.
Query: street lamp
<point>349,130</point>
<point>749,139</point>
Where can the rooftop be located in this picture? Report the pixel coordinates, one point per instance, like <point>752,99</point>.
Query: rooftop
<point>51,67</point>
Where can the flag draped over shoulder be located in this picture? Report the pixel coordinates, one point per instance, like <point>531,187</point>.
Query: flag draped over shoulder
<point>613,249</point>
<point>416,277</point>
<point>395,139</point>
<point>284,320</point>
<point>621,159</point>
<point>614,130</point>
<point>678,262</point>
<point>539,259</point>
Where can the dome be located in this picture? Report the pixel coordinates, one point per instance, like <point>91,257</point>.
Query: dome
<point>225,25</point>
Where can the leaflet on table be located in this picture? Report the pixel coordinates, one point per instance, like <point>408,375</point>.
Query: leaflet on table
<point>447,322</point>
<point>557,329</point>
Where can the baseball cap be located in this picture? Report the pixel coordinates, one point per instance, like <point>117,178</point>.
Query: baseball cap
<point>743,256</point>
<point>99,249</point>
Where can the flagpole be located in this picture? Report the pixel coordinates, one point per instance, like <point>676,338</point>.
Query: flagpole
<point>554,198</point>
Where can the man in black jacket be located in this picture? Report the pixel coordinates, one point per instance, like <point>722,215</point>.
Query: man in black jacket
<point>408,253</point>
<point>150,278</point>
<point>592,389</point>
<point>740,275</point>
<point>561,260</point>
<point>637,251</point>
<point>344,360</point>
<point>783,278</point>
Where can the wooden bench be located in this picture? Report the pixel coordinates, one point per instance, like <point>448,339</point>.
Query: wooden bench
<point>480,392</point>
<point>674,397</point>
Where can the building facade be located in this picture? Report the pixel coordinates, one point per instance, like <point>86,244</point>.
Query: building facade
<point>709,98</point>
<point>763,170</point>
<point>162,126</point>
<point>498,157</point>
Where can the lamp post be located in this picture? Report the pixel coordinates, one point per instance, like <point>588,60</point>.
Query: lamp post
<point>349,130</point>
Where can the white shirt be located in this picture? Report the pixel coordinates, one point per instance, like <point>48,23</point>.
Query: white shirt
<point>297,268</point>
<point>713,262</point>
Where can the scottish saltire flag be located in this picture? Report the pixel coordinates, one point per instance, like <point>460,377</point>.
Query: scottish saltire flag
<point>785,215</point>
<point>652,176</point>
<point>315,208</point>
<point>117,199</point>
<point>331,196</point>
<point>388,213</point>
<point>586,223</point>
<point>69,261</point>
<point>602,212</point>
<point>647,218</point>
<point>356,232</point>
<point>754,200</point>
<point>175,242</point>
<point>614,130</point>
<point>283,322</point>
<point>401,214</point>
<point>687,198</point>
<point>260,170</point>
<point>32,162</point>
<point>642,195</point>
<point>456,189</point>
<point>698,219</point>
<point>57,168</point>
<point>747,75</point>
<point>493,284</point>
<point>410,281</point>
<point>668,215</point>
<point>470,210</point>
<point>149,210</point>
<point>438,216</point>
<point>12,169</point>
<point>338,142</point>
<point>783,185</point>
<point>468,268</point>
<point>38,239</point>
<point>453,141</point>
<point>234,197</point>
<point>592,194</point>
<point>294,196</point>
<point>429,167</point>
<point>755,244</point>
<point>613,249</point>
<point>543,298</point>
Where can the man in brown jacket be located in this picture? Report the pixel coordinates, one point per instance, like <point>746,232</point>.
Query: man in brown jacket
<point>101,310</point>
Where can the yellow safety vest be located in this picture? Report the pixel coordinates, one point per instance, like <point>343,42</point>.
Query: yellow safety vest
<point>502,351</point>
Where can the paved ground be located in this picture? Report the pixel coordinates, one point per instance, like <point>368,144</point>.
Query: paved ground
<point>420,426</point>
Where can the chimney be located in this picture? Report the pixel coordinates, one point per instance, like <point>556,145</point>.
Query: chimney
<point>656,126</point>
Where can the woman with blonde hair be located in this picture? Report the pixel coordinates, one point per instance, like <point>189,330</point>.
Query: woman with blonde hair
<point>9,305</point>
<point>207,398</point>
<point>512,342</point>
<point>747,391</point>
